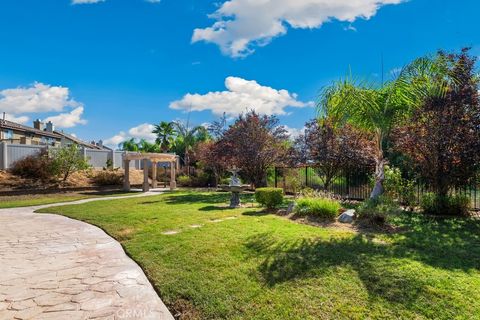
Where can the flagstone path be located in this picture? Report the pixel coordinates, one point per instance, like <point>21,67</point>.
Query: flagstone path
<point>53,267</point>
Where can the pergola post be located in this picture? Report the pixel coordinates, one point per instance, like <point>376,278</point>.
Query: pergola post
<point>126,176</point>
<point>173,182</point>
<point>146,185</point>
<point>154,174</point>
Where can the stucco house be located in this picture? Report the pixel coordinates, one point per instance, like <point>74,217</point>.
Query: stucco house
<point>41,134</point>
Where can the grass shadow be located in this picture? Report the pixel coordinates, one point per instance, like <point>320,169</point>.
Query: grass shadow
<point>290,260</point>
<point>450,244</point>
<point>215,208</point>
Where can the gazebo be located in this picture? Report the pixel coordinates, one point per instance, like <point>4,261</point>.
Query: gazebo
<point>154,158</point>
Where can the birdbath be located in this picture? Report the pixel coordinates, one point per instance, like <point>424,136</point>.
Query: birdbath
<point>235,187</point>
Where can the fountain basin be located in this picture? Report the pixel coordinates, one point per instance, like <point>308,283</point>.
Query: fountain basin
<point>235,191</point>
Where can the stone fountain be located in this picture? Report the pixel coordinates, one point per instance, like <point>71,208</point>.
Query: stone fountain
<point>235,187</point>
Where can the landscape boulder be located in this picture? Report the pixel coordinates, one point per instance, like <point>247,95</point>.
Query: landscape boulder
<point>347,217</point>
<point>291,207</point>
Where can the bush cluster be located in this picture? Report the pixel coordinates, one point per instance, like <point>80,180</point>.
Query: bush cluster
<point>200,180</point>
<point>452,205</point>
<point>318,207</point>
<point>269,197</point>
<point>45,166</point>
<point>377,211</point>
<point>38,166</point>
<point>108,178</point>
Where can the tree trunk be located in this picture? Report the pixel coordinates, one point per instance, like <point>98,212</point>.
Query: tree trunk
<point>187,162</point>
<point>379,178</point>
<point>380,162</point>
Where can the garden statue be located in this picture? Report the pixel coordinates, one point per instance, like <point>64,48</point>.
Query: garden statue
<point>235,187</point>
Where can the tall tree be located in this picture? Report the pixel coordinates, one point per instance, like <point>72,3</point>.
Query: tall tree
<point>139,146</point>
<point>377,109</point>
<point>255,143</point>
<point>212,156</point>
<point>333,149</point>
<point>129,145</point>
<point>165,132</point>
<point>187,137</point>
<point>443,135</point>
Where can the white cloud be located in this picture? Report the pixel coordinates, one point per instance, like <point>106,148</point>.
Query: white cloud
<point>241,95</point>
<point>42,98</point>
<point>240,25</point>
<point>19,119</point>
<point>97,1</point>
<point>294,132</point>
<point>86,1</point>
<point>116,139</point>
<point>37,98</point>
<point>142,131</point>
<point>68,120</point>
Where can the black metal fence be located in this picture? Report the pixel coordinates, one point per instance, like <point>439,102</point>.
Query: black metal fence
<point>353,185</point>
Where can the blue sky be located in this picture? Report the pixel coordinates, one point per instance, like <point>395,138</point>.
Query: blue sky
<point>106,70</point>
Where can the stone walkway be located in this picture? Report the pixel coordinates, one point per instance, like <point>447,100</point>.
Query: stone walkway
<point>53,267</point>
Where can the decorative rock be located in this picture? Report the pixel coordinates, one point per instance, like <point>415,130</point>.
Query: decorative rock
<point>347,217</point>
<point>170,232</point>
<point>291,207</point>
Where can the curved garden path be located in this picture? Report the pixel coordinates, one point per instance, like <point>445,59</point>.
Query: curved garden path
<point>53,267</point>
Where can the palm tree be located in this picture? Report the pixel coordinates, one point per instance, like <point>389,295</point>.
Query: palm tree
<point>378,109</point>
<point>148,147</point>
<point>165,132</point>
<point>129,145</point>
<point>187,137</point>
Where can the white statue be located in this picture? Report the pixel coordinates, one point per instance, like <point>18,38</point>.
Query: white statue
<point>234,179</point>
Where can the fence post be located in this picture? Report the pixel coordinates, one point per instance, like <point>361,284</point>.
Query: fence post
<point>306,176</point>
<point>276,182</point>
<point>112,156</point>
<point>84,153</point>
<point>4,156</point>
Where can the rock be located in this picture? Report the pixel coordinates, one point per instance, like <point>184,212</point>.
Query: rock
<point>347,217</point>
<point>291,207</point>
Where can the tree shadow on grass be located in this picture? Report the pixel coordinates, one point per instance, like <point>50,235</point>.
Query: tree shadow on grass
<point>215,208</point>
<point>381,267</point>
<point>207,198</point>
<point>256,213</point>
<point>306,258</point>
<point>450,243</point>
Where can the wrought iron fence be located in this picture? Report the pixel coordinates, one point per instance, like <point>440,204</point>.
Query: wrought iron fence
<point>353,184</point>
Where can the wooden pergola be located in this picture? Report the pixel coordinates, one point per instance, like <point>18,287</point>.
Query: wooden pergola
<point>154,158</point>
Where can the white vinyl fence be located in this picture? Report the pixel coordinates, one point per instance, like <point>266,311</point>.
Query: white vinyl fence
<point>9,153</point>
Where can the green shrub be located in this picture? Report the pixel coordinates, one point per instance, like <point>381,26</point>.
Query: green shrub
<point>318,207</point>
<point>201,179</point>
<point>269,197</point>
<point>452,205</point>
<point>67,160</point>
<point>224,181</point>
<point>109,164</point>
<point>37,166</point>
<point>184,181</point>
<point>377,211</point>
<point>399,188</point>
<point>107,178</point>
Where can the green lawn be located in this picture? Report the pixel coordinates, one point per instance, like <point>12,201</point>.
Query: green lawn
<point>261,266</point>
<point>41,199</point>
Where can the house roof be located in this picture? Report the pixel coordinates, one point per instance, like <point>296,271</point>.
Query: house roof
<point>20,127</point>
<point>5,124</point>
<point>76,140</point>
